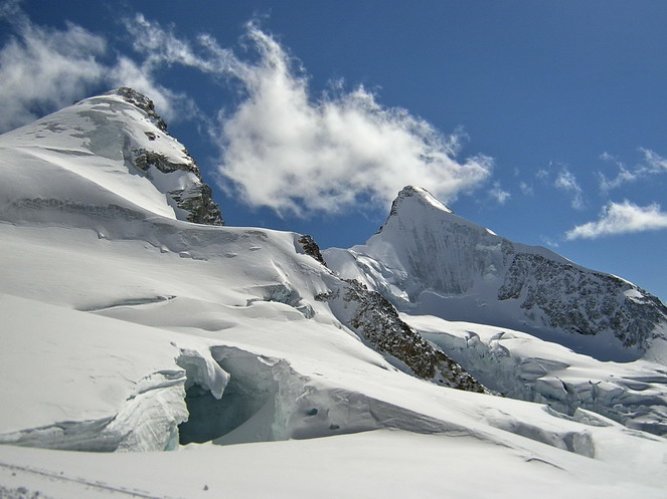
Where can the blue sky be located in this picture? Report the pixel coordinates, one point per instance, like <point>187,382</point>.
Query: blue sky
<point>544,121</point>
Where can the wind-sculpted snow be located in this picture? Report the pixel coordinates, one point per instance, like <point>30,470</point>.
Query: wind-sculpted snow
<point>267,400</point>
<point>427,260</point>
<point>96,384</point>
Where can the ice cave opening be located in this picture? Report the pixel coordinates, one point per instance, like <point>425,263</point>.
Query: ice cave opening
<point>243,413</point>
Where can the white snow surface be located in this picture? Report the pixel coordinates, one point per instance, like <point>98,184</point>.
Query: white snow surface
<point>80,159</point>
<point>522,366</point>
<point>110,317</point>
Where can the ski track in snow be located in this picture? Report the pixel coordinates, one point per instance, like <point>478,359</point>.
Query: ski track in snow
<point>19,473</point>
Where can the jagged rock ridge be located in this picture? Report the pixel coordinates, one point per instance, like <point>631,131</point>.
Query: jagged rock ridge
<point>583,302</point>
<point>142,102</point>
<point>376,320</point>
<point>311,248</point>
<point>196,198</point>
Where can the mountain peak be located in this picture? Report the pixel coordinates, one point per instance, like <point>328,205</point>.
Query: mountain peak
<point>410,194</point>
<point>428,261</point>
<point>142,102</point>
<point>106,152</point>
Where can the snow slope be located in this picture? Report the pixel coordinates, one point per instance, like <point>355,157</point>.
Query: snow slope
<point>109,154</point>
<point>121,319</point>
<point>377,464</point>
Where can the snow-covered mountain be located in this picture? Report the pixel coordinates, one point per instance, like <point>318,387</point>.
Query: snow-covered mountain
<point>108,154</point>
<point>427,260</point>
<point>132,320</point>
<point>447,275</point>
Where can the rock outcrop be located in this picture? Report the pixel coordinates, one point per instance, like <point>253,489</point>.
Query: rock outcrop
<point>195,197</point>
<point>376,320</point>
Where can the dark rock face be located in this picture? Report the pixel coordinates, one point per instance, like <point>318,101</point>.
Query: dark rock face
<point>379,324</point>
<point>143,103</point>
<point>583,302</point>
<point>311,248</point>
<point>196,199</point>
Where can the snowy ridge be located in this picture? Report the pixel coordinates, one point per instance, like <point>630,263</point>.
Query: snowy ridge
<point>426,260</point>
<point>438,268</point>
<point>109,154</point>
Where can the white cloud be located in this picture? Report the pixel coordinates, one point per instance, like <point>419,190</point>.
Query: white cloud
<point>621,218</point>
<point>652,164</point>
<point>286,150</point>
<point>566,181</point>
<point>526,189</point>
<point>498,194</point>
<point>44,69</point>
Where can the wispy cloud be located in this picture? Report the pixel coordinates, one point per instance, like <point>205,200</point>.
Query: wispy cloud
<point>566,181</point>
<point>526,189</point>
<point>288,150</point>
<point>162,47</point>
<point>498,194</point>
<point>652,164</point>
<point>542,175</point>
<point>552,243</point>
<point>621,218</point>
<point>281,146</point>
<point>43,69</point>
<point>623,176</point>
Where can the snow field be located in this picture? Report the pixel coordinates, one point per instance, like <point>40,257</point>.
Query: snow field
<point>125,328</point>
